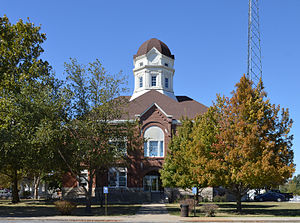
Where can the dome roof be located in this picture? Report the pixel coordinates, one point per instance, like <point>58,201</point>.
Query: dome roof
<point>159,45</point>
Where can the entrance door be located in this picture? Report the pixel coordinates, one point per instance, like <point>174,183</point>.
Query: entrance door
<point>151,183</point>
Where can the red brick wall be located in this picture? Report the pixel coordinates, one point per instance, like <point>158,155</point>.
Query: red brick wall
<point>138,165</point>
<point>141,165</point>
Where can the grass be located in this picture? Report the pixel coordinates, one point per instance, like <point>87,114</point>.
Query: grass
<point>250,209</point>
<point>40,208</point>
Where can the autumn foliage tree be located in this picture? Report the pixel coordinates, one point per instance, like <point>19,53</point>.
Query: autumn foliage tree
<point>254,141</point>
<point>242,142</point>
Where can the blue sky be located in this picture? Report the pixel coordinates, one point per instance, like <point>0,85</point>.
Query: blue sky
<point>208,39</point>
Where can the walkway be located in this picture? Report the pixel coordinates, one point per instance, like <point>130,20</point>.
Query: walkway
<point>152,213</point>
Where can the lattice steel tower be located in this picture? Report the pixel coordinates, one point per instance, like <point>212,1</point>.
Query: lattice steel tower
<point>254,71</point>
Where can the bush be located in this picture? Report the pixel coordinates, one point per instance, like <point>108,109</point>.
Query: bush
<point>210,209</point>
<point>189,202</point>
<point>65,207</point>
<point>219,198</point>
<point>26,194</point>
<point>204,199</point>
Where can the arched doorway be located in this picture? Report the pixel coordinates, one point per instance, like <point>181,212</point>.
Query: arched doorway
<point>152,182</point>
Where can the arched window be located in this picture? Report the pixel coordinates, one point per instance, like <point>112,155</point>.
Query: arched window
<point>154,142</point>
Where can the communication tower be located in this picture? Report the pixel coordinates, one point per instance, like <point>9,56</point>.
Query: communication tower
<point>254,71</point>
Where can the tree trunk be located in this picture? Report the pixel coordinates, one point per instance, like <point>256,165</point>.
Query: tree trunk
<point>100,188</point>
<point>102,195</point>
<point>238,202</point>
<point>15,191</point>
<point>36,183</point>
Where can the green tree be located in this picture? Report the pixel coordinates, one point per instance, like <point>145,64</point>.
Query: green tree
<point>175,172</point>
<point>27,97</point>
<point>292,186</point>
<point>47,138</point>
<point>93,138</point>
<point>204,160</point>
<point>4,181</point>
<point>190,161</point>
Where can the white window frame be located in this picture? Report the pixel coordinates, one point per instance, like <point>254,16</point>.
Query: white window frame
<point>141,82</point>
<point>117,170</point>
<point>153,80</point>
<point>166,82</point>
<point>151,138</point>
<point>83,179</point>
<point>160,148</point>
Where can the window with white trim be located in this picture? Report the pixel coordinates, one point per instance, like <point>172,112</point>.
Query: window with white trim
<point>119,146</point>
<point>83,178</point>
<point>154,142</point>
<point>141,81</point>
<point>153,81</point>
<point>166,82</point>
<point>117,177</point>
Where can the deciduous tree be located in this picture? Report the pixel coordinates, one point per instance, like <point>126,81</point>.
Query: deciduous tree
<point>27,99</point>
<point>292,186</point>
<point>94,139</point>
<point>240,143</point>
<point>254,141</point>
<point>176,169</point>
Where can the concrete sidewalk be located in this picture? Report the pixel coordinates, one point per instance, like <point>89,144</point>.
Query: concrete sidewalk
<point>153,213</point>
<point>147,213</point>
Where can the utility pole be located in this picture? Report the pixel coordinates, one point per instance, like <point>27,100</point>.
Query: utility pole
<point>254,71</point>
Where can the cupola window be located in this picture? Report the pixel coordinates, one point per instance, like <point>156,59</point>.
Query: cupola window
<point>141,81</point>
<point>153,81</point>
<point>166,64</point>
<point>166,82</point>
<point>141,64</point>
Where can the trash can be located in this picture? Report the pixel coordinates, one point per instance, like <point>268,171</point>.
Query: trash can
<point>184,210</point>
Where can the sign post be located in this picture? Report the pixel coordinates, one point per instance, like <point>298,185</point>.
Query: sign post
<point>195,193</point>
<point>105,192</point>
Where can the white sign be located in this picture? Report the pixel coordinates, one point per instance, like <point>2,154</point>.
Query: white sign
<point>194,190</point>
<point>105,190</point>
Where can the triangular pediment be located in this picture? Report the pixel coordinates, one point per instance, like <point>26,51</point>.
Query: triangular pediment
<point>153,55</point>
<point>155,112</point>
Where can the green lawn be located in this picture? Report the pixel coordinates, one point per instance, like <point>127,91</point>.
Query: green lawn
<point>250,209</point>
<point>33,208</point>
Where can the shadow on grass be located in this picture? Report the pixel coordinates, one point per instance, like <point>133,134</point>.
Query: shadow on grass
<point>233,206</point>
<point>264,212</point>
<point>14,211</point>
<point>275,209</point>
<point>278,209</point>
<point>273,212</point>
<point>34,209</point>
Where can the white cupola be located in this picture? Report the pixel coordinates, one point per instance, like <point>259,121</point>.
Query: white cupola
<point>153,69</point>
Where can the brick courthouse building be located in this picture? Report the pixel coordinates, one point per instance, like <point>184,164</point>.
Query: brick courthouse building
<point>154,104</point>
